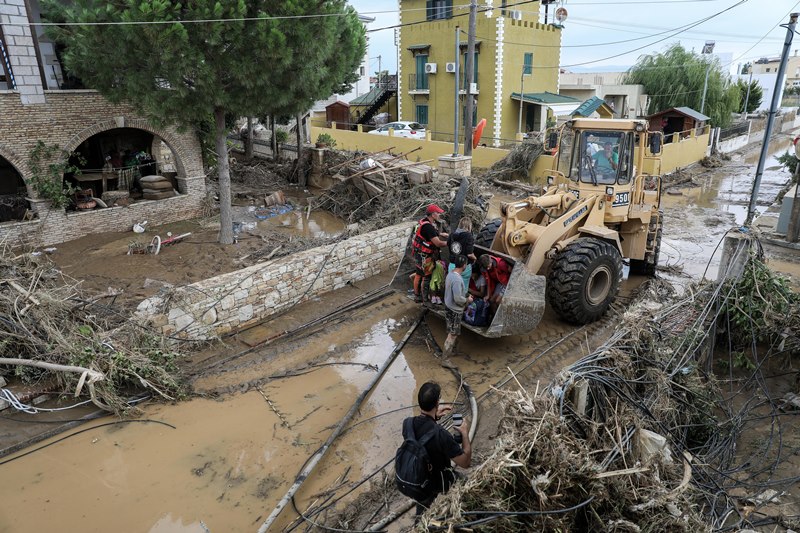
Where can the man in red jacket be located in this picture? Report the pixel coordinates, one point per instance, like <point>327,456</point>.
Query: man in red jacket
<point>425,249</point>
<point>496,271</point>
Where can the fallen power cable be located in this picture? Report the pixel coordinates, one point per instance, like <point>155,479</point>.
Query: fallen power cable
<point>315,459</point>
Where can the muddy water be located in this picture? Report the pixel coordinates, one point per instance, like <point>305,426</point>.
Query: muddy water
<point>696,220</point>
<point>299,221</point>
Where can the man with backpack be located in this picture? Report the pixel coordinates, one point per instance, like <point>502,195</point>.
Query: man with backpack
<point>422,463</point>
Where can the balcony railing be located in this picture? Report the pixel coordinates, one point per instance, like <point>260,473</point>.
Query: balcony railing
<point>418,82</point>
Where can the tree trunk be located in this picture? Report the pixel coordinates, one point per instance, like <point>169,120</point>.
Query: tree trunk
<point>224,171</point>
<point>274,140</point>
<point>794,218</point>
<point>301,173</point>
<point>248,146</point>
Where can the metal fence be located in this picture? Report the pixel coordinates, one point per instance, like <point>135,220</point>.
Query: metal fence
<point>734,131</point>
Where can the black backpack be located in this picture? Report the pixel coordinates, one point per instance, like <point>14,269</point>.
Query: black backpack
<point>412,465</point>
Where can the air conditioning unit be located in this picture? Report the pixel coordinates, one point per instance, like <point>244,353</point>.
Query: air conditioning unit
<point>450,67</point>
<point>515,14</point>
<point>430,68</point>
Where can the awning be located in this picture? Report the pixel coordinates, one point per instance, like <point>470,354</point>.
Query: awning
<point>560,104</point>
<point>418,47</point>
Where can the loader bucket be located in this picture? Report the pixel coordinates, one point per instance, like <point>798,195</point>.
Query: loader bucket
<point>519,312</point>
<point>522,306</point>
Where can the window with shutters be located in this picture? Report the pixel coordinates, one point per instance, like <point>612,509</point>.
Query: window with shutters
<point>440,9</point>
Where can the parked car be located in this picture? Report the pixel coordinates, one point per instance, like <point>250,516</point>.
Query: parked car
<point>409,130</point>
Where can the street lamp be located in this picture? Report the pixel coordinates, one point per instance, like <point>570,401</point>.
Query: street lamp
<point>707,49</point>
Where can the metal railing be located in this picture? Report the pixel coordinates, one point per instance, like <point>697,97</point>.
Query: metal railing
<point>418,82</point>
<point>734,131</point>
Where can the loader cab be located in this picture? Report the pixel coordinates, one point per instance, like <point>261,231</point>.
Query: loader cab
<point>596,157</point>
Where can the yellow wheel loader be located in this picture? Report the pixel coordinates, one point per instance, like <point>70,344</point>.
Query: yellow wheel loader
<point>566,246</point>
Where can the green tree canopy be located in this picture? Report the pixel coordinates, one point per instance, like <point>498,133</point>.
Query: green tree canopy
<point>182,62</point>
<point>675,78</point>
<point>755,97</point>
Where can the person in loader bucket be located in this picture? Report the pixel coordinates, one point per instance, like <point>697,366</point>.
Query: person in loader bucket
<point>425,249</point>
<point>496,272</point>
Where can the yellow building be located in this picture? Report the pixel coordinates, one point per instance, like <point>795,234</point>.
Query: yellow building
<point>508,42</point>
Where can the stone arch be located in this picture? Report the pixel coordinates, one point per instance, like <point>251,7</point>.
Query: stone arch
<point>20,165</point>
<point>173,142</point>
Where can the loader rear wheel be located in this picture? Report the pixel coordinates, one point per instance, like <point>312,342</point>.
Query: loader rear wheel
<point>648,265</point>
<point>486,234</point>
<point>584,280</point>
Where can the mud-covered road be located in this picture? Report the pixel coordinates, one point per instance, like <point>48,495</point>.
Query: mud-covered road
<point>228,455</point>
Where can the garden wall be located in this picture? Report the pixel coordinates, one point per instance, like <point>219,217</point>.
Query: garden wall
<point>222,304</point>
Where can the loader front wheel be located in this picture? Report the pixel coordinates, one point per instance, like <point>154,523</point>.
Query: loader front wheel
<point>486,234</point>
<point>584,280</point>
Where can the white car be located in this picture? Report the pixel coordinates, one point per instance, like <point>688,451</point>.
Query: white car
<point>409,130</point>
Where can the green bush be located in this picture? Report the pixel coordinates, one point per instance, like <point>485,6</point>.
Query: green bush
<point>326,139</point>
<point>281,136</point>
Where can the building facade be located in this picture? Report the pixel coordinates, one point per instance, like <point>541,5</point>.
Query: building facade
<point>514,53</point>
<point>626,101</point>
<point>41,103</point>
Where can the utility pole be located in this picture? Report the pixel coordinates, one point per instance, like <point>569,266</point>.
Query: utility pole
<point>380,72</point>
<point>787,43</point>
<point>707,49</point>
<point>793,230</point>
<point>469,78</point>
<point>522,92</point>
<point>455,126</point>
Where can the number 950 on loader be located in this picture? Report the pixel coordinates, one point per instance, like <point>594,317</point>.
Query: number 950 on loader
<point>567,245</point>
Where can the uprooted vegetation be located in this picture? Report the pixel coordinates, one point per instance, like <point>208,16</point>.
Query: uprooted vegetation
<point>80,344</point>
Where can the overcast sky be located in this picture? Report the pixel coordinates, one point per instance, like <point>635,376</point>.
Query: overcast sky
<point>748,31</point>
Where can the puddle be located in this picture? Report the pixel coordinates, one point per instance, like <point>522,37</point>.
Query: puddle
<point>299,221</point>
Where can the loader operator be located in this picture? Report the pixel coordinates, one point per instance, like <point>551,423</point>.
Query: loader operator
<point>606,162</point>
<point>425,249</point>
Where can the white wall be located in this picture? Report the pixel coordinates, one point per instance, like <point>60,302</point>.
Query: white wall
<point>767,84</point>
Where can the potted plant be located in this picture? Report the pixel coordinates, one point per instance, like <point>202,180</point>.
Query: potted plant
<point>324,140</point>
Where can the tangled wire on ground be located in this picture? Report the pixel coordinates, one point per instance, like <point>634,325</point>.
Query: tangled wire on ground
<point>47,320</point>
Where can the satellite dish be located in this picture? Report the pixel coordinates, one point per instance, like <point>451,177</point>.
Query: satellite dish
<point>561,14</point>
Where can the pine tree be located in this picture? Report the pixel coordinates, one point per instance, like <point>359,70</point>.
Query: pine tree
<point>675,78</point>
<point>182,62</point>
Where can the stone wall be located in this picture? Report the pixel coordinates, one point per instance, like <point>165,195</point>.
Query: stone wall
<point>66,119</point>
<point>219,305</point>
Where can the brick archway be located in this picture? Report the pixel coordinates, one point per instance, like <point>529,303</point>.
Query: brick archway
<point>20,165</point>
<point>173,142</point>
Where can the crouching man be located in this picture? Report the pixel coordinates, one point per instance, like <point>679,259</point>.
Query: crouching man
<point>422,464</point>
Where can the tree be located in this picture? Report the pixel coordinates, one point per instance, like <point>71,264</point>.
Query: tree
<point>206,57</point>
<point>755,97</point>
<point>675,78</point>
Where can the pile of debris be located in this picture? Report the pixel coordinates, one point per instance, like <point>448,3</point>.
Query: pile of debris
<point>55,331</point>
<point>715,160</point>
<point>375,190</point>
<point>517,164</point>
<point>261,173</point>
